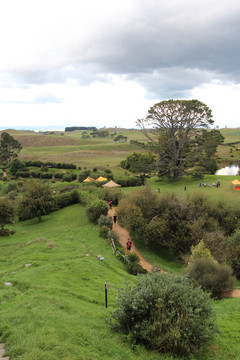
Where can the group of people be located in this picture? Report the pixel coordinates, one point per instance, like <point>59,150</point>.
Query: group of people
<point>217,185</point>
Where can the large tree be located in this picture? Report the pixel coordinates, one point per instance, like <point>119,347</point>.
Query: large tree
<point>9,148</point>
<point>171,127</point>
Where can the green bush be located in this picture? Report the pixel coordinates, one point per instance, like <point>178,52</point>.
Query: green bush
<point>112,235</point>
<point>95,209</point>
<point>214,278</point>
<point>126,181</point>
<point>67,198</point>
<point>232,251</point>
<point>114,195</point>
<point>105,221</point>
<point>67,177</point>
<point>5,232</point>
<point>166,313</point>
<point>135,269</point>
<point>133,257</point>
<point>103,232</point>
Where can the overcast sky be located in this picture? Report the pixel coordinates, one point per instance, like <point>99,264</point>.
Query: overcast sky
<point>104,63</point>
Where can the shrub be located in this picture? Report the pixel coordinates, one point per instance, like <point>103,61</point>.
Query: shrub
<point>200,251</point>
<point>67,198</point>
<point>67,177</point>
<point>166,313</point>
<point>135,269</point>
<point>212,277</point>
<point>232,251</point>
<point>103,232</point>
<point>5,232</point>
<point>112,235</point>
<point>11,186</point>
<point>126,181</point>
<point>95,209</point>
<point>58,175</point>
<point>105,221</point>
<point>133,257</point>
<point>114,195</point>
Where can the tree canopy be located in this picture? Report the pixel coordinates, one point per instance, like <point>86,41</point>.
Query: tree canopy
<point>37,200</point>
<point>173,129</point>
<point>9,148</point>
<point>7,212</point>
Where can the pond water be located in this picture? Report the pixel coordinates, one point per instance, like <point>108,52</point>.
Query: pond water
<point>228,170</point>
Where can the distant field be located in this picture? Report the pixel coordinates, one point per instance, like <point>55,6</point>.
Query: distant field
<point>100,152</point>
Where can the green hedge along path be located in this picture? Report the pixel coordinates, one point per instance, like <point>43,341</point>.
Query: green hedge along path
<point>123,238</point>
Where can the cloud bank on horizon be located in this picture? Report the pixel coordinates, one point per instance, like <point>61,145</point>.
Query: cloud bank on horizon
<point>105,63</point>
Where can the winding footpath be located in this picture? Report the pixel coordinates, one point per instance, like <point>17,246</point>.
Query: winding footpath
<point>123,238</point>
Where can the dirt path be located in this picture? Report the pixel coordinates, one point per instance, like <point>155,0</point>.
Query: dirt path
<point>123,238</point>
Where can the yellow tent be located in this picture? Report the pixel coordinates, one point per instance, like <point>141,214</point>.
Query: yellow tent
<point>101,178</point>
<point>88,179</point>
<point>236,182</point>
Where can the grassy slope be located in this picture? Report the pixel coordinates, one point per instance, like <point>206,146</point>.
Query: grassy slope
<point>55,308</point>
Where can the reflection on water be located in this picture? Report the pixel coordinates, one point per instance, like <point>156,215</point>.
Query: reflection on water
<point>228,170</point>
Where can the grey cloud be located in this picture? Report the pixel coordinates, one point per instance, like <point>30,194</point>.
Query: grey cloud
<point>168,47</point>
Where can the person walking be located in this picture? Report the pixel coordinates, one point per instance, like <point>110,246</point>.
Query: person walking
<point>115,218</point>
<point>129,245</point>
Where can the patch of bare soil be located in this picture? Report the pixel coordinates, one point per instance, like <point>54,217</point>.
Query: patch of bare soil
<point>2,351</point>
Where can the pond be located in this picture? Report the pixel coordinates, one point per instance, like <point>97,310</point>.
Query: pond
<point>228,170</point>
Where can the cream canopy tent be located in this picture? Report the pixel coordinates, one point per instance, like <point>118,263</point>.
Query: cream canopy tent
<point>236,182</point>
<point>88,179</point>
<point>111,184</point>
<point>101,178</point>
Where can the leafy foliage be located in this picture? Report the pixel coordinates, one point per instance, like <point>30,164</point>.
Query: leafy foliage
<point>37,200</point>
<point>7,213</point>
<point>174,124</point>
<point>165,313</point>
<point>95,209</point>
<point>16,165</point>
<point>174,222</point>
<point>138,162</point>
<point>211,276</point>
<point>199,251</point>
<point>9,148</point>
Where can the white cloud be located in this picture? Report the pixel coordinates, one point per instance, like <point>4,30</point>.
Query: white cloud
<point>99,62</point>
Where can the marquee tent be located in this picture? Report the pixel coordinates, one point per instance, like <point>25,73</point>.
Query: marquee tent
<point>101,178</point>
<point>88,179</point>
<point>111,184</point>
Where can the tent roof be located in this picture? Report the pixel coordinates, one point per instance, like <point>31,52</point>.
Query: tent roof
<point>88,179</point>
<point>101,178</point>
<point>111,184</point>
<point>236,182</point>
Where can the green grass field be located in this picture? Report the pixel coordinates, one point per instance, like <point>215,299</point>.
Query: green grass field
<point>103,152</point>
<point>55,308</point>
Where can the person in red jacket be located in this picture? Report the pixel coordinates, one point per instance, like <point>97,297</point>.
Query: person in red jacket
<point>129,245</point>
